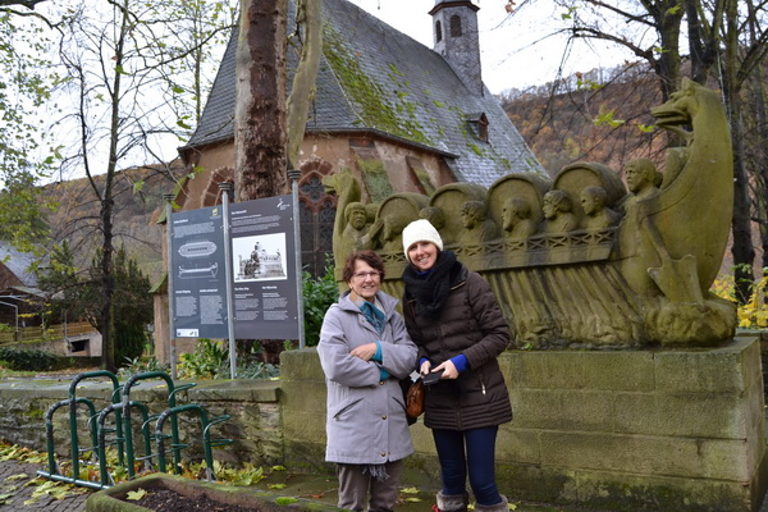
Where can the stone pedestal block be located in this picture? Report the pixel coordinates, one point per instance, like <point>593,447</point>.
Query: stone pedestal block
<point>667,430</point>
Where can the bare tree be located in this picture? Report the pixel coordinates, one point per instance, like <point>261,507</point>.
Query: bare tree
<point>718,49</point>
<point>120,81</point>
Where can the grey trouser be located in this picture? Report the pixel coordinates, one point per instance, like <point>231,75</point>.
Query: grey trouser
<point>354,486</point>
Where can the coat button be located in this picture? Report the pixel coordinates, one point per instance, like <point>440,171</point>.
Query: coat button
<point>383,454</point>
<point>383,417</point>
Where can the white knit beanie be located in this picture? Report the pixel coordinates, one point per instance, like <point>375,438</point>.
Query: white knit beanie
<point>420,231</point>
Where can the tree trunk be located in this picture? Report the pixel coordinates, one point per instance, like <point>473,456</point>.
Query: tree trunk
<point>260,108</point>
<point>308,12</point>
<point>759,137</point>
<point>668,23</point>
<point>742,249</point>
<point>106,319</point>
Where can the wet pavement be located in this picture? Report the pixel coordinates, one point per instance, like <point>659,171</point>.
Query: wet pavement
<point>16,488</point>
<point>15,491</point>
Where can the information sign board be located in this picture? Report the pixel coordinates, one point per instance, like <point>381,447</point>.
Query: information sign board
<point>197,269</point>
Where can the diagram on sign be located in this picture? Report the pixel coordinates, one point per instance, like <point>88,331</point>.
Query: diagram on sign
<point>197,261</point>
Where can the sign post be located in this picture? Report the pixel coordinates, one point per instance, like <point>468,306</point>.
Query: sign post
<point>294,176</point>
<point>226,189</point>
<point>169,236</point>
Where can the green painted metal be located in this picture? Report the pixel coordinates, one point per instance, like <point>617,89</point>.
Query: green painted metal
<point>121,406</point>
<point>75,448</point>
<point>172,390</point>
<point>102,432</point>
<point>205,426</point>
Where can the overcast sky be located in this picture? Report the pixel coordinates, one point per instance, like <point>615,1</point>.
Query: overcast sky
<point>516,50</point>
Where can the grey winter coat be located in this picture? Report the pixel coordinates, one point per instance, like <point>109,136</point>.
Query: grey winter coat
<point>365,419</point>
<point>470,323</point>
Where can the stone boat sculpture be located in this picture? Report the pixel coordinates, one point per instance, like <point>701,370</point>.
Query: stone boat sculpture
<point>583,261</point>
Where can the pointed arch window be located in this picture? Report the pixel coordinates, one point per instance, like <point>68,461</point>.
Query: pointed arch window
<point>318,211</point>
<point>438,31</point>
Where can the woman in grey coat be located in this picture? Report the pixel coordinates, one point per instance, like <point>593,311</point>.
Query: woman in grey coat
<point>364,350</point>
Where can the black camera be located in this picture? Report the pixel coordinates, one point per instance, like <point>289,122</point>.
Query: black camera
<point>431,378</point>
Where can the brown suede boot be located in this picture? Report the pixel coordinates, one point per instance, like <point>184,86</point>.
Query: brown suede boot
<point>503,506</point>
<point>451,503</point>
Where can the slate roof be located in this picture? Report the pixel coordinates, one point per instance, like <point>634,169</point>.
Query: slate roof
<point>375,78</point>
<point>18,263</point>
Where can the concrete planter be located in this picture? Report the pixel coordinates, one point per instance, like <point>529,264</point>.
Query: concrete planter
<point>110,500</point>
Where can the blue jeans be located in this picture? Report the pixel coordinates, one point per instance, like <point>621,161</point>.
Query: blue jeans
<point>480,459</point>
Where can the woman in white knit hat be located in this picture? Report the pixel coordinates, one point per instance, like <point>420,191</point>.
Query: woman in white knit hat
<point>455,320</point>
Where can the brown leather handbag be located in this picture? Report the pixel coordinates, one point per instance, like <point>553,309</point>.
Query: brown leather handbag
<point>414,399</point>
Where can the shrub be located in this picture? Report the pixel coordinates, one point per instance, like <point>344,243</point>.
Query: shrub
<point>319,294</point>
<point>31,360</point>
<point>207,361</point>
<point>753,314</point>
<point>140,365</point>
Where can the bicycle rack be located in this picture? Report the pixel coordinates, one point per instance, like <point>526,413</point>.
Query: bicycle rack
<point>76,450</point>
<point>205,426</point>
<point>121,406</point>
<point>126,409</point>
<point>102,432</point>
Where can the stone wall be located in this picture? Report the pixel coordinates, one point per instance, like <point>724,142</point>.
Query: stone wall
<point>253,405</point>
<point>621,430</point>
<point>662,430</point>
<point>666,430</point>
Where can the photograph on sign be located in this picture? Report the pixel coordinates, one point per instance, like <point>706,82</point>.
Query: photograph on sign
<point>259,258</point>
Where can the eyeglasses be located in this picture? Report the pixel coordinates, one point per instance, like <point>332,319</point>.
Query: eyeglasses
<point>362,275</point>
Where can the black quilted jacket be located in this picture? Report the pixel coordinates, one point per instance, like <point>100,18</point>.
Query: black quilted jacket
<point>471,323</point>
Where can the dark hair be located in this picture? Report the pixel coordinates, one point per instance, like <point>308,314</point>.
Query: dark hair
<point>368,256</point>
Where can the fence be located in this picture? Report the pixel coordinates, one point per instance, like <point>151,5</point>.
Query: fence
<point>45,333</point>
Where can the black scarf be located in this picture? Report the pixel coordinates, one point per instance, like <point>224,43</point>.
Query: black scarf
<point>430,289</point>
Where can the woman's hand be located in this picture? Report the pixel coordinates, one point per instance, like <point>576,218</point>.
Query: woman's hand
<point>449,370</point>
<point>425,366</point>
<point>364,352</point>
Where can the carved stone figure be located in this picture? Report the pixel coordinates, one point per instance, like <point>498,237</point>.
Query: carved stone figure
<point>558,214</point>
<point>596,214</point>
<point>516,218</point>
<point>391,236</point>
<point>347,190</point>
<point>353,236</point>
<point>642,178</point>
<point>638,246</point>
<point>644,283</point>
<point>478,228</point>
<point>434,215</point>
<point>450,199</point>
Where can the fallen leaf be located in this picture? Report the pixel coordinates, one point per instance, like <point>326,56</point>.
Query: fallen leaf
<point>135,495</point>
<point>20,476</point>
<point>409,490</point>
<point>277,486</point>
